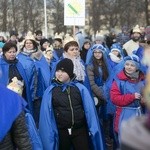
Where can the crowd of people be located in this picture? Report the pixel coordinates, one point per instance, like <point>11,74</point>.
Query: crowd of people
<point>82,94</point>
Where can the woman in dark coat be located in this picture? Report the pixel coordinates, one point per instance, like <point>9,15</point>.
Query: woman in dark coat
<point>11,69</point>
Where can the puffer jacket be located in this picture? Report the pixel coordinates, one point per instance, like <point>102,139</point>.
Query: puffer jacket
<point>18,136</point>
<point>67,107</point>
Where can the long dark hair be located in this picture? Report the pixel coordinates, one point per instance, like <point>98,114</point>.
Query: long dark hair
<point>100,63</point>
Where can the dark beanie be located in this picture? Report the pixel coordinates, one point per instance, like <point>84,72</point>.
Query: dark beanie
<point>43,41</point>
<point>13,33</point>
<point>67,66</point>
<point>38,32</point>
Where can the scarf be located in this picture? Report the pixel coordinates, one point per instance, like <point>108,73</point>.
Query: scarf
<point>79,69</point>
<point>114,58</point>
<point>34,54</point>
<point>133,76</point>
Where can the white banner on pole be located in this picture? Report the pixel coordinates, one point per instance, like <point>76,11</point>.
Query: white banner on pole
<point>74,12</point>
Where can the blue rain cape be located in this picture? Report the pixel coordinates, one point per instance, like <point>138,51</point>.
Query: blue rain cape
<point>133,109</point>
<point>33,132</point>
<point>4,79</point>
<point>41,68</point>
<point>47,125</point>
<point>11,105</point>
<point>119,67</point>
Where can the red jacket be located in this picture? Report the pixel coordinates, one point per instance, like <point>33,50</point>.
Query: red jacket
<point>120,99</point>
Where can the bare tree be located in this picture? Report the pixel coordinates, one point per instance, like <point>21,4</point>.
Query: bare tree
<point>94,12</point>
<point>4,9</point>
<point>147,12</point>
<point>112,13</point>
<point>14,17</point>
<point>130,12</point>
<point>35,15</point>
<point>56,8</point>
<point>24,15</point>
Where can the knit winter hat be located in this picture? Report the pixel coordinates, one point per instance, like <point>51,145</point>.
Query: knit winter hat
<point>116,47</point>
<point>87,41</point>
<point>43,41</point>
<point>67,66</point>
<point>38,32</point>
<point>134,59</point>
<point>13,33</point>
<point>99,47</point>
<point>99,36</point>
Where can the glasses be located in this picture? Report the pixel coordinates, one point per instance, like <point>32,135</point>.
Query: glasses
<point>97,52</point>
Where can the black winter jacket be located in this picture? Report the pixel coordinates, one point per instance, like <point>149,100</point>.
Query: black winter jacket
<point>68,108</point>
<point>18,136</point>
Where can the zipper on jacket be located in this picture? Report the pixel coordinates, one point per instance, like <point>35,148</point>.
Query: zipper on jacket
<point>70,102</point>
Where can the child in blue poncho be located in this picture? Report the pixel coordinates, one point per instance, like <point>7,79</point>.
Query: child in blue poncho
<point>126,92</point>
<point>68,116</point>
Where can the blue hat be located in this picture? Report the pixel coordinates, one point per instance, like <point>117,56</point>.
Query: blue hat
<point>134,59</point>
<point>116,47</point>
<point>99,47</point>
<point>89,55</point>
